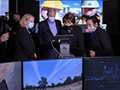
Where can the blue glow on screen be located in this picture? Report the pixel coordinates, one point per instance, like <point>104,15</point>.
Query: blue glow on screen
<point>56,70</point>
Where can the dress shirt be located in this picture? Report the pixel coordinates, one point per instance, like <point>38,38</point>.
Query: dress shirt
<point>53,27</point>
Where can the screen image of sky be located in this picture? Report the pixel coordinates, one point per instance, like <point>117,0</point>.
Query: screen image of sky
<point>53,70</point>
<point>75,7</point>
<point>4,6</point>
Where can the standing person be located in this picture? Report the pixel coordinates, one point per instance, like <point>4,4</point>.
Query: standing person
<point>24,47</point>
<point>14,23</point>
<point>77,47</point>
<point>100,44</point>
<point>47,31</point>
<point>16,18</point>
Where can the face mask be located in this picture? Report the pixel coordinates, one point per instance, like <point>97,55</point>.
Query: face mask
<point>30,25</point>
<point>92,28</point>
<point>69,27</point>
<point>52,19</point>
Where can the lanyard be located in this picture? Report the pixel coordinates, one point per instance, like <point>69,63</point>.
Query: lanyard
<point>94,32</point>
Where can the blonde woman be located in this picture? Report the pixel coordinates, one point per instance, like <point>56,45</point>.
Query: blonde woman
<point>24,47</point>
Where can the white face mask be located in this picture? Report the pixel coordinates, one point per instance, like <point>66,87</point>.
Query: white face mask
<point>30,25</point>
<point>92,28</point>
<point>52,19</point>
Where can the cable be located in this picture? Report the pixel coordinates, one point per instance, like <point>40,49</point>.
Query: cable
<point>56,49</point>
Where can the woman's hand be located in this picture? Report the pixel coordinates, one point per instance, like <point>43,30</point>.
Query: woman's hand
<point>92,53</point>
<point>35,55</point>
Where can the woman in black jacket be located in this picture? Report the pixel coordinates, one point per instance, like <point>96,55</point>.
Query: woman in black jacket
<point>77,46</point>
<point>24,47</point>
<point>100,44</point>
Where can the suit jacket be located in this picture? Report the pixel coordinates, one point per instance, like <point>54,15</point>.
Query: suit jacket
<point>45,35</point>
<point>101,44</point>
<point>3,85</point>
<point>77,40</point>
<point>24,47</point>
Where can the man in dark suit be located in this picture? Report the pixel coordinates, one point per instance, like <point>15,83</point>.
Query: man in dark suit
<point>100,44</point>
<point>47,31</point>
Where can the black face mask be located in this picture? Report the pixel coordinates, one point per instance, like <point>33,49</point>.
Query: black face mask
<point>69,27</point>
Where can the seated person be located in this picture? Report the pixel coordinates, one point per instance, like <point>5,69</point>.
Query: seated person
<point>100,44</point>
<point>77,47</point>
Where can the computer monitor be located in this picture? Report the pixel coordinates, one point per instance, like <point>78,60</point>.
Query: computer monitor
<point>101,73</point>
<point>10,75</point>
<point>67,38</point>
<point>53,74</point>
<point>64,42</point>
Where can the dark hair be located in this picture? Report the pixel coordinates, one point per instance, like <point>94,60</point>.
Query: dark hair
<point>69,16</point>
<point>94,20</point>
<point>16,13</point>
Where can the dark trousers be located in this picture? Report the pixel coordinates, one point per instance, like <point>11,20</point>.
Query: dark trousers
<point>50,53</point>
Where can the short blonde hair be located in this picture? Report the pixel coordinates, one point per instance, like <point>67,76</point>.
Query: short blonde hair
<point>24,19</point>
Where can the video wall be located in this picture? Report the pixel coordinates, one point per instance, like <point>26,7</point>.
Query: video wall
<point>100,73</point>
<point>80,8</point>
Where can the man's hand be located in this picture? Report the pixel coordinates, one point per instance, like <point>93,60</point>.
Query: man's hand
<point>4,37</point>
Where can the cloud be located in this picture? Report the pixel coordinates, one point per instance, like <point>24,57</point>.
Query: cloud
<point>76,4</point>
<point>34,64</point>
<point>58,69</point>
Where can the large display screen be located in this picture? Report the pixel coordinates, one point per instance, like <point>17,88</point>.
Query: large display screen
<point>56,74</point>
<point>80,9</point>
<point>101,74</point>
<point>4,7</point>
<point>65,6</point>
